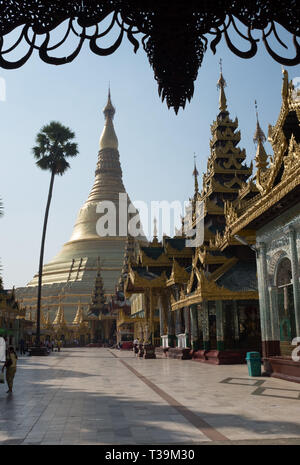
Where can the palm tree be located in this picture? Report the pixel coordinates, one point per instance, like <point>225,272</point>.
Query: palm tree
<point>53,147</point>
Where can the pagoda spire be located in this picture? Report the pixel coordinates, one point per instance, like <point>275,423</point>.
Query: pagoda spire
<point>56,320</point>
<point>108,138</point>
<point>58,316</point>
<point>79,315</point>
<point>261,158</point>
<point>62,321</point>
<point>128,256</point>
<point>155,233</point>
<point>196,174</point>
<point>221,84</point>
<point>226,171</point>
<point>42,318</point>
<point>259,135</point>
<point>47,319</point>
<point>98,299</point>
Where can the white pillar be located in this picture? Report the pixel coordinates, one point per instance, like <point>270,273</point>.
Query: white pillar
<point>295,276</point>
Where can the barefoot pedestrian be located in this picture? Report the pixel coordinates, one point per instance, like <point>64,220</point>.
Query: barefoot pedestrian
<point>11,367</point>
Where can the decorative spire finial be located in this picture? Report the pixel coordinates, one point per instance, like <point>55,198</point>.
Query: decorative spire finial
<point>108,139</point>
<point>259,136</point>
<point>285,85</point>
<point>261,158</point>
<point>109,109</point>
<point>195,174</point>
<point>221,84</point>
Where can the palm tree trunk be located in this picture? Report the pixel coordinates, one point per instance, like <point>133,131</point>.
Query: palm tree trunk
<point>38,313</point>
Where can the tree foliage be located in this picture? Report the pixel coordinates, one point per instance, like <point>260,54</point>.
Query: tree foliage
<point>53,147</point>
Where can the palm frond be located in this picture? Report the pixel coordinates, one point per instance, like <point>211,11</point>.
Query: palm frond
<point>71,149</point>
<point>53,145</point>
<point>61,167</point>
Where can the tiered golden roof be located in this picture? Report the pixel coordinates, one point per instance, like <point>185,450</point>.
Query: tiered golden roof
<point>79,317</point>
<point>273,181</point>
<point>60,317</point>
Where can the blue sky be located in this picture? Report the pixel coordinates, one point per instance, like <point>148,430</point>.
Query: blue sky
<point>156,146</point>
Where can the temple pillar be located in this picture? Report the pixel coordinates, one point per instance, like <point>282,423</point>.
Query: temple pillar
<point>171,328</point>
<point>161,317</point>
<point>151,317</point>
<point>236,321</point>
<point>146,322</point>
<point>205,325</point>
<point>200,325</point>
<point>295,276</point>
<point>194,327</point>
<point>273,294</point>
<point>220,325</point>
<point>269,347</point>
<point>178,327</point>
<point>187,326</point>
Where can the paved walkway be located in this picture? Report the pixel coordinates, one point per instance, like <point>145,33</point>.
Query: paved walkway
<point>103,396</point>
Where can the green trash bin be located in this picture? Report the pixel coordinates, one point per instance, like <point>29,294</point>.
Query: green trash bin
<point>254,363</point>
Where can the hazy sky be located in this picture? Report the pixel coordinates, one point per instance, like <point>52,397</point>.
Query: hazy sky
<point>156,146</point>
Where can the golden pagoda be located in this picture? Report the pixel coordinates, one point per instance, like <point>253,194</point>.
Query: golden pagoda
<point>73,270</point>
<point>80,330</point>
<point>79,317</point>
<point>59,318</point>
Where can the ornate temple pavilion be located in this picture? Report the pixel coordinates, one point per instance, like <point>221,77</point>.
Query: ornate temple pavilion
<point>270,219</point>
<point>69,278</point>
<point>207,298</point>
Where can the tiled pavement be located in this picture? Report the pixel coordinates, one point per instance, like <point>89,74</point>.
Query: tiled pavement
<point>103,396</point>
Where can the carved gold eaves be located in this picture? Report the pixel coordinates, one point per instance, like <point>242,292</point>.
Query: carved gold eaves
<point>225,122</point>
<point>227,134</point>
<point>230,212</point>
<point>292,159</point>
<point>247,188</point>
<point>209,290</point>
<point>171,252</point>
<point>162,260</point>
<point>227,151</point>
<point>178,276</point>
<point>263,203</point>
<point>232,182</point>
<point>206,258</point>
<point>232,161</point>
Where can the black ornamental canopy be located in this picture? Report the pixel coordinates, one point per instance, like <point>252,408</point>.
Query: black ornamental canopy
<point>174,33</point>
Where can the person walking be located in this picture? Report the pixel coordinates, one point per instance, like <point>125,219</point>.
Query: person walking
<point>58,345</point>
<point>136,346</point>
<point>22,346</point>
<point>11,368</point>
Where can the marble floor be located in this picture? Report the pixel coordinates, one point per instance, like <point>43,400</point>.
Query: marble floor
<point>104,396</point>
